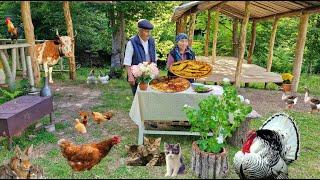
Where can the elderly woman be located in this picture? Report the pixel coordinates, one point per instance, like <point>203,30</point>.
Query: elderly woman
<point>181,51</point>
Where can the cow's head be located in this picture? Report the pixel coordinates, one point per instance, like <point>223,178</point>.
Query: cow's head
<point>65,44</point>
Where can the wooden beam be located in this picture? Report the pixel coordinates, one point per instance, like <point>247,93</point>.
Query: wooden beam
<point>310,10</point>
<point>253,41</point>
<point>271,43</point>
<point>207,34</point>
<point>215,36</point>
<point>184,24</point>
<point>68,19</point>
<point>29,34</point>
<point>235,37</point>
<point>179,28</point>
<point>192,27</point>
<point>242,44</point>
<point>301,39</point>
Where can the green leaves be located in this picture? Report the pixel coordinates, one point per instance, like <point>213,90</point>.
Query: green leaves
<point>218,115</point>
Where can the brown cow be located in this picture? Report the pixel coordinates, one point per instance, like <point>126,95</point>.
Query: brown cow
<point>49,52</point>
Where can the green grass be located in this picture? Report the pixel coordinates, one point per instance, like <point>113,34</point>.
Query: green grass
<point>117,96</point>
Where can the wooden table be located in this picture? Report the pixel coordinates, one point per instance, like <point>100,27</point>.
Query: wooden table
<point>16,115</point>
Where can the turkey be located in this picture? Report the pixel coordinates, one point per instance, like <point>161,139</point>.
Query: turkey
<point>267,151</point>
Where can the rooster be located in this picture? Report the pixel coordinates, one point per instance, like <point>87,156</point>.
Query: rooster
<point>269,150</point>
<point>14,32</point>
<point>86,156</point>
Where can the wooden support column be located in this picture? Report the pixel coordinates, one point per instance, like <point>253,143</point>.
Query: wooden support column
<point>215,36</point>
<point>271,43</point>
<point>23,62</point>
<point>253,41</point>
<point>207,34</point>
<point>29,34</point>
<point>72,62</point>
<point>184,24</point>
<point>192,27</point>
<point>6,67</point>
<point>14,63</point>
<point>235,39</point>
<point>179,26</point>
<point>242,44</point>
<point>301,39</point>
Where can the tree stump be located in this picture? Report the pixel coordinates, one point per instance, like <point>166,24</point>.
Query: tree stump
<point>209,165</point>
<point>239,136</point>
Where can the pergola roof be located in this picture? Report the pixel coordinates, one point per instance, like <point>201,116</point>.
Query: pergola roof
<point>259,10</point>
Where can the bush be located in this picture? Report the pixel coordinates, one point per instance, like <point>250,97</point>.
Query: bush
<point>116,72</point>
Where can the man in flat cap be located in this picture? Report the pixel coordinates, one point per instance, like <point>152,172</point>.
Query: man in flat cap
<point>140,48</point>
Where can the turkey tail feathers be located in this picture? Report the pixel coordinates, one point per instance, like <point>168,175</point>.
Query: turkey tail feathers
<point>290,138</point>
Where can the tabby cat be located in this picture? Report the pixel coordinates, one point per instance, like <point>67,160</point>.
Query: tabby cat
<point>146,155</point>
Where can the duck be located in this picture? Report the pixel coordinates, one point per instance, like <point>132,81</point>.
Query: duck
<point>103,79</point>
<point>91,79</point>
<point>289,99</point>
<point>314,103</point>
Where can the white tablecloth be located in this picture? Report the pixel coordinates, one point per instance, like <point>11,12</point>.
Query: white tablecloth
<point>155,105</point>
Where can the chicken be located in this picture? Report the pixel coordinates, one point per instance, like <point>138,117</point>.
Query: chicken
<point>80,127</point>
<point>104,79</point>
<point>13,31</point>
<point>289,99</point>
<point>84,117</point>
<point>86,156</point>
<point>269,150</point>
<point>91,79</point>
<point>314,103</point>
<point>98,117</point>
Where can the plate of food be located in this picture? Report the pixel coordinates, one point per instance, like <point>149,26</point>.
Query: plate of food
<point>191,69</point>
<point>169,84</point>
<point>201,88</point>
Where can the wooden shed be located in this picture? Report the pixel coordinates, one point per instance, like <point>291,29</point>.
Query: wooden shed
<point>246,12</point>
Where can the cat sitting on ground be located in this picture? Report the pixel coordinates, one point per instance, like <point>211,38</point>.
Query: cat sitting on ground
<point>174,160</point>
<point>145,155</point>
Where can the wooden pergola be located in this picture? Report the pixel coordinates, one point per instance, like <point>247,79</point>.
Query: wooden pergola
<point>246,11</point>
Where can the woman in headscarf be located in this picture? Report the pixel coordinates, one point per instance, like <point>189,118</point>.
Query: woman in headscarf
<point>181,51</point>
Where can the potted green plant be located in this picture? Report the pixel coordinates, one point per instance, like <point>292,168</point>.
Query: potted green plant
<point>215,120</point>
<point>287,79</point>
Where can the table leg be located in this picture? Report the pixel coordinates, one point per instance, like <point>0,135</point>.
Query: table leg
<point>10,143</point>
<point>140,136</point>
<point>50,118</point>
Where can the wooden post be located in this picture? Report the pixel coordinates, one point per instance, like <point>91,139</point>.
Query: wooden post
<point>192,27</point>
<point>271,43</point>
<point>7,70</point>
<point>215,36</point>
<point>179,26</point>
<point>72,62</point>
<point>242,44</point>
<point>23,62</point>
<point>207,34</point>
<point>253,41</point>
<point>235,39</point>
<point>184,24</point>
<point>301,39</point>
<point>29,34</point>
<point>14,63</point>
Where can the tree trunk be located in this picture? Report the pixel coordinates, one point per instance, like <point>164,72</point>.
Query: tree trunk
<point>239,136</point>
<point>301,39</point>
<point>242,44</point>
<point>253,41</point>
<point>7,70</point>
<point>29,34</point>
<point>68,19</point>
<point>271,43</point>
<point>207,34</point>
<point>192,27</point>
<point>116,19</point>
<point>123,39</point>
<point>215,36</point>
<point>235,38</point>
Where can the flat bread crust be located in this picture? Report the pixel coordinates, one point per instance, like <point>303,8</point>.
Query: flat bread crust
<point>191,69</point>
<point>170,84</point>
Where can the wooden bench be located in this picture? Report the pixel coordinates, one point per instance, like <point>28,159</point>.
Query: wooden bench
<point>16,115</point>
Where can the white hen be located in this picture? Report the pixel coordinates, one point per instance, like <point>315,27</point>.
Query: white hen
<point>91,79</point>
<point>104,79</point>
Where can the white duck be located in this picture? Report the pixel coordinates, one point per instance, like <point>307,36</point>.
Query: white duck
<point>289,99</point>
<point>91,79</point>
<point>314,103</point>
<point>103,79</point>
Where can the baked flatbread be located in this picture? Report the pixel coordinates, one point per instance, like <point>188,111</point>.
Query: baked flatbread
<point>191,69</point>
<point>170,84</point>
